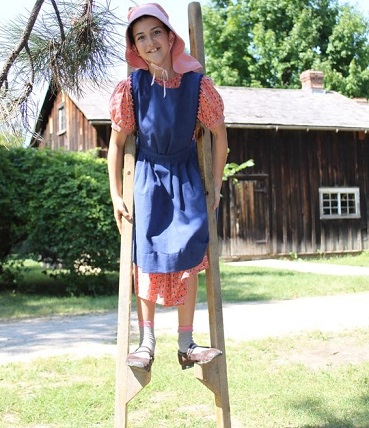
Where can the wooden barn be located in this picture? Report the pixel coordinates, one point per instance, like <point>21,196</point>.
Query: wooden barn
<point>308,192</point>
<point>75,123</point>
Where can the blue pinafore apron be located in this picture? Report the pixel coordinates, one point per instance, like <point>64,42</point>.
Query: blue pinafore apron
<point>171,225</point>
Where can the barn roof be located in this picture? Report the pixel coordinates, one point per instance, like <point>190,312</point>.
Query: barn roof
<point>293,109</point>
<point>307,108</point>
<point>94,103</point>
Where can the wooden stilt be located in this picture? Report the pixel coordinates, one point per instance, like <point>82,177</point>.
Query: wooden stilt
<point>214,375</point>
<point>128,382</point>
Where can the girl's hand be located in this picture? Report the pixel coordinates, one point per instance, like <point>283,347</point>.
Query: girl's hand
<point>216,197</point>
<point>120,211</point>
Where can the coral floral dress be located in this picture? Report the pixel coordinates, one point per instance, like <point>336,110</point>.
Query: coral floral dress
<point>171,230</point>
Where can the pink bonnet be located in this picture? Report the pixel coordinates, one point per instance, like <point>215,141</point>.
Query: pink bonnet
<point>181,61</point>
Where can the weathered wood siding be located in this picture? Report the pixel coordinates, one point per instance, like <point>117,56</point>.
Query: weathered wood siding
<point>274,208</point>
<point>78,135</point>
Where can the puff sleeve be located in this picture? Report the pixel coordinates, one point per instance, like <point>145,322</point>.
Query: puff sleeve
<point>121,108</point>
<point>211,106</point>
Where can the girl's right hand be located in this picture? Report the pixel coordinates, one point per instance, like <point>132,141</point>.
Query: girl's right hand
<point>120,211</point>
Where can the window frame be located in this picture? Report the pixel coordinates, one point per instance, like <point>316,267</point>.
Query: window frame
<point>62,119</point>
<point>339,191</point>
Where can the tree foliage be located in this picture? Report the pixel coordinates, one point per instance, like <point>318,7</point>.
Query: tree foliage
<point>269,43</point>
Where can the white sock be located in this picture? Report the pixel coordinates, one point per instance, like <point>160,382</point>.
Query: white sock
<point>147,335</point>
<point>185,337</point>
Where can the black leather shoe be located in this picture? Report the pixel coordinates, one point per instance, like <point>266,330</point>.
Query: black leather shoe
<point>188,359</point>
<point>138,362</point>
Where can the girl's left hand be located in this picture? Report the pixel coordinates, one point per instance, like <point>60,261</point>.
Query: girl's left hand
<point>216,197</point>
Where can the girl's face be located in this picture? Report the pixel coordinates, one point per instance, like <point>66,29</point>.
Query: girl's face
<point>152,42</point>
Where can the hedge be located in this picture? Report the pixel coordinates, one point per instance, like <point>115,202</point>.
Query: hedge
<point>55,206</point>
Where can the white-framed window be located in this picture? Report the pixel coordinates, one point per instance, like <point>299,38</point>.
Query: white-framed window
<point>339,202</point>
<point>62,121</point>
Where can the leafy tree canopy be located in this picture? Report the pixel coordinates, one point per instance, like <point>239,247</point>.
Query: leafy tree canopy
<point>269,43</point>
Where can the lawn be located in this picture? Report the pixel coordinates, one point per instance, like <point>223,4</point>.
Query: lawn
<point>309,380</point>
<point>360,259</point>
<point>273,383</point>
<point>239,284</point>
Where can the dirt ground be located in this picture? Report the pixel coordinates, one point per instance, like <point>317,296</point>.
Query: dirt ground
<point>334,351</point>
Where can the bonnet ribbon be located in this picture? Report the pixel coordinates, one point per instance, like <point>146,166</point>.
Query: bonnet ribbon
<point>164,76</point>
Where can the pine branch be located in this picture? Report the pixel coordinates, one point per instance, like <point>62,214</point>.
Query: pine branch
<point>70,46</point>
<point>22,43</point>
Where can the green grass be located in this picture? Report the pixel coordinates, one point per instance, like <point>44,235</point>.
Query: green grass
<point>57,392</point>
<point>242,284</point>
<point>361,259</point>
<point>312,380</point>
<point>17,305</point>
<point>239,284</point>
<point>268,388</point>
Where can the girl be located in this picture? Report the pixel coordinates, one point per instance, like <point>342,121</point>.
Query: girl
<point>161,102</point>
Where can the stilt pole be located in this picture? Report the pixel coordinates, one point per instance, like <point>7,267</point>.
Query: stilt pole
<point>129,382</point>
<point>213,375</point>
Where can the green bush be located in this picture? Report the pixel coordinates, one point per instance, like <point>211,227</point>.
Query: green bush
<point>58,210</point>
<point>11,217</point>
<point>7,209</point>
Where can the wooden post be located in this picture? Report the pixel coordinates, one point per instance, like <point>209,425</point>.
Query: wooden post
<point>129,382</point>
<point>213,375</point>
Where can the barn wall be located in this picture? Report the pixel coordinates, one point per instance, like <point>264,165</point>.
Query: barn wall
<point>294,165</point>
<point>79,134</point>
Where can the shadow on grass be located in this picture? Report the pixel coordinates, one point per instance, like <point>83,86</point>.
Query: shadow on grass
<point>321,410</point>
